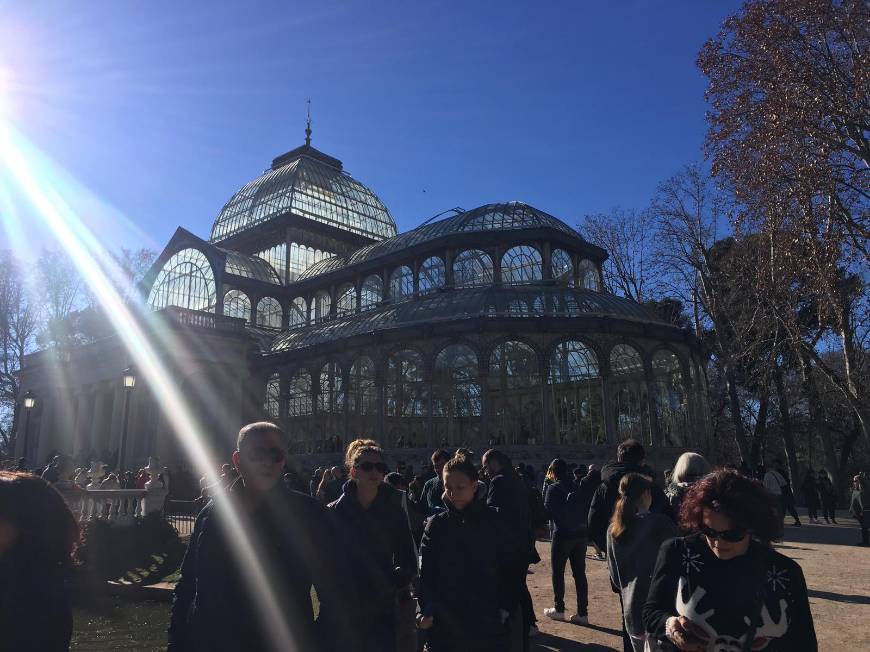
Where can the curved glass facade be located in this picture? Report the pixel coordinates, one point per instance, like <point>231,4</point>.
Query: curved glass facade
<point>186,280</point>
<point>310,189</point>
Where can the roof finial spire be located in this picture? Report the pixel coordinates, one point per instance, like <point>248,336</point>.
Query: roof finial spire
<point>308,125</point>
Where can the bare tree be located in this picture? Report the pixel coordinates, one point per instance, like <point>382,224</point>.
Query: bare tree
<point>19,324</point>
<point>633,270</point>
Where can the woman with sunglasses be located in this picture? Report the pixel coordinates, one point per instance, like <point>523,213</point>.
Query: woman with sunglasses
<point>724,587</point>
<point>374,530</point>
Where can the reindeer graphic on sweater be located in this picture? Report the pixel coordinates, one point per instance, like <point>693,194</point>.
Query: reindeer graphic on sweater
<point>761,594</point>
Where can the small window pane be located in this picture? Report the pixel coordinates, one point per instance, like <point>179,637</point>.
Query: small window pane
<point>432,275</point>
<point>237,304</point>
<point>269,313</point>
<point>521,265</point>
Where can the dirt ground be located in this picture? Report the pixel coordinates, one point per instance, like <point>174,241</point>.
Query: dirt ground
<point>837,574</point>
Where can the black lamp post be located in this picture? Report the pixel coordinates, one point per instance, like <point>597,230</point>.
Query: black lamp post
<point>129,378</point>
<point>28,402</point>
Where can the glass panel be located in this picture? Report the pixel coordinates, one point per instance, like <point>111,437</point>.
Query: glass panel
<point>472,268</point>
<point>331,396</point>
<point>576,394</point>
<point>372,291</point>
<point>518,308</point>
<point>589,279</point>
<point>515,394</point>
<point>404,391</point>
<point>273,397</point>
<point>401,283</point>
<point>563,269</point>
<point>239,264</point>
<point>298,313</point>
<point>671,405</point>
<point>277,257</point>
<point>301,258</point>
<point>237,304</point>
<point>299,394</point>
<point>269,313</point>
<point>432,275</point>
<point>457,386</point>
<point>186,280</point>
<point>363,391</point>
<point>322,303</point>
<point>628,389</point>
<point>346,302</point>
<point>521,265</point>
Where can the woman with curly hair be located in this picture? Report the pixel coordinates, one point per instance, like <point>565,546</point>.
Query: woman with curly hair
<point>723,586</point>
<point>37,535</point>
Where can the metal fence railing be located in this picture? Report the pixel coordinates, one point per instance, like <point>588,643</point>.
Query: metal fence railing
<point>181,515</point>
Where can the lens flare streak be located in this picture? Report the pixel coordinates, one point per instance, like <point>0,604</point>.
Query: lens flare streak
<point>96,266</point>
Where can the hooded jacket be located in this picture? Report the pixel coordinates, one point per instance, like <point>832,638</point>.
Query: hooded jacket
<point>604,500</point>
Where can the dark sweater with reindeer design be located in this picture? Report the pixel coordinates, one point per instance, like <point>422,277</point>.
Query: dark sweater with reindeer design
<point>723,597</point>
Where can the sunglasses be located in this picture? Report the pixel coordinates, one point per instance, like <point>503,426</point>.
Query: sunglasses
<point>370,466</point>
<point>271,455</point>
<point>734,535</point>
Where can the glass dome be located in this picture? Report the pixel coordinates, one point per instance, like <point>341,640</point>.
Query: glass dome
<point>309,184</point>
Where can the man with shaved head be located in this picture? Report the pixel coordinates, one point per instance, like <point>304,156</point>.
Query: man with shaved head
<point>216,607</point>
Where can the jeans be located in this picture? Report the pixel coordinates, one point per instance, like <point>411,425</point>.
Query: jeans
<point>563,550</point>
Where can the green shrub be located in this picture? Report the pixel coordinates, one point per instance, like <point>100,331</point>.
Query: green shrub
<point>142,553</point>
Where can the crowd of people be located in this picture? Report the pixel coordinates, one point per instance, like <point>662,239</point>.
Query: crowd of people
<point>367,559</point>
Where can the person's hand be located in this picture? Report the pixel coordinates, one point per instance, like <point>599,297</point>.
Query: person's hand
<point>683,633</point>
<point>504,615</point>
<point>425,622</point>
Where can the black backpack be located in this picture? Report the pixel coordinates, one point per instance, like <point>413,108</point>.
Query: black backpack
<point>577,509</point>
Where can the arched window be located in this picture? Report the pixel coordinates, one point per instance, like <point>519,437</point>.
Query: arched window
<point>401,283</point>
<point>562,267</point>
<point>521,265</point>
<point>538,307</point>
<point>432,275</point>
<point>472,268</point>
<point>273,397</point>
<point>456,384</point>
<point>514,394</point>
<point>298,313</point>
<point>269,313</point>
<point>321,307</point>
<point>345,304</point>
<point>404,391</point>
<point>331,396</point>
<point>372,292</point>
<point>237,304</point>
<point>589,279</point>
<point>670,399</point>
<point>186,280</point>
<point>299,394</point>
<point>628,392</point>
<point>363,391</point>
<point>577,397</point>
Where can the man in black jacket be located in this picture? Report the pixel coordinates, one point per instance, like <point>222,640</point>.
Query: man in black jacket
<point>630,456</point>
<point>568,504</point>
<point>218,607</point>
<point>509,493</point>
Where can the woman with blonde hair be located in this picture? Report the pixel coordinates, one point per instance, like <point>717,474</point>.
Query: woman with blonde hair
<point>690,468</point>
<point>633,541</point>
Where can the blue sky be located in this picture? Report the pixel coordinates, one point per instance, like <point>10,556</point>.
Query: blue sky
<point>163,110</point>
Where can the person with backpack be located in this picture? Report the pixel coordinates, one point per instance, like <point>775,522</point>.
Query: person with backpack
<point>568,505</point>
<point>776,483</point>
<point>630,456</point>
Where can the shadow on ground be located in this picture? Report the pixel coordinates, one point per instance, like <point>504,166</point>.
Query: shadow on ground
<point>839,597</point>
<point>550,643</point>
<point>842,534</point>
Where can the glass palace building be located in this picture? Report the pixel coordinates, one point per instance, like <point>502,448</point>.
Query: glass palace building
<point>306,307</point>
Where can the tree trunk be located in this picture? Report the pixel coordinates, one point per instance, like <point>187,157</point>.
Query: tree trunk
<point>736,416</point>
<point>787,432</point>
<point>760,431</point>
<point>817,419</point>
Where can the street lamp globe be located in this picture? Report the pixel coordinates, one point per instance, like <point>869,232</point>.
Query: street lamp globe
<point>129,378</point>
<point>29,400</point>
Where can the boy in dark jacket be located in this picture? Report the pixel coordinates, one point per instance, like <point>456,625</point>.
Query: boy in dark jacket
<point>630,456</point>
<point>218,607</point>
